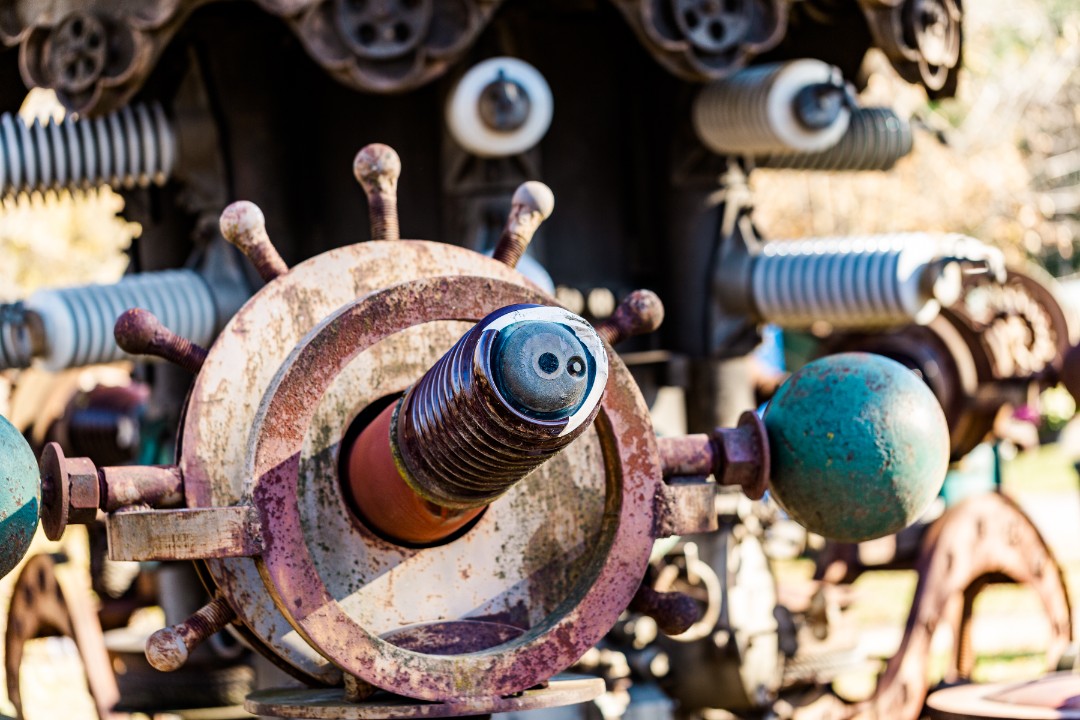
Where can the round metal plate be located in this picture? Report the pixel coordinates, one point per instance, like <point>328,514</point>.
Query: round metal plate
<point>563,552</point>
<point>241,365</point>
<point>332,705</point>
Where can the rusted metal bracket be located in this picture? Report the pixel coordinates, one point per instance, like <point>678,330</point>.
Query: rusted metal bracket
<point>686,505</point>
<point>187,534</point>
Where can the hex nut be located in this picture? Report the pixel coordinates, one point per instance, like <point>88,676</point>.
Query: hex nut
<point>84,491</point>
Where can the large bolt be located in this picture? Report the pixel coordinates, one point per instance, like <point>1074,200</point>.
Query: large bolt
<point>71,492</point>
<point>512,392</point>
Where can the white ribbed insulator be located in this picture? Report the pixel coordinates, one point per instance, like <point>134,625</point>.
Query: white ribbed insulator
<point>77,323</point>
<point>754,112</point>
<point>875,139</point>
<point>134,146</point>
<point>465,118</point>
<point>863,282</point>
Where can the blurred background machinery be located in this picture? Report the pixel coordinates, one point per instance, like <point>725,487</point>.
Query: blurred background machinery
<point>649,117</point>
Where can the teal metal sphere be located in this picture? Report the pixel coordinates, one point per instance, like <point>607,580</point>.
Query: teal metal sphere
<point>20,497</point>
<point>859,446</point>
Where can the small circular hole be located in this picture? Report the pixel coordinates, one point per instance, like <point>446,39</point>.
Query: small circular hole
<point>401,32</point>
<point>548,363</point>
<point>576,366</point>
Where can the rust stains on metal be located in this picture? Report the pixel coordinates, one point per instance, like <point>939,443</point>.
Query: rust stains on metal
<point>674,612</point>
<point>155,486</point>
<point>532,204</point>
<point>377,168</point>
<point>139,332</point>
<point>243,224</point>
<point>168,648</point>
<point>601,593</point>
<point>736,456</point>
<point>639,313</point>
<point>185,534</point>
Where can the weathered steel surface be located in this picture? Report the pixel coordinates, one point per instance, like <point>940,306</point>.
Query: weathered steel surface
<point>377,168</point>
<point>735,456</point>
<point>458,440</point>
<point>155,486</point>
<point>859,446</point>
<point>532,203</point>
<point>686,505</point>
<point>1053,697</point>
<point>20,496</point>
<point>69,490</point>
<point>674,612</point>
<point>332,705</point>
<point>139,332</point>
<point>224,398</point>
<point>224,402</point>
<point>457,435</point>
<point>242,223</point>
<point>185,534</point>
<point>168,648</point>
<point>493,558</point>
<point>54,598</point>
<point>639,313</point>
<point>453,637</point>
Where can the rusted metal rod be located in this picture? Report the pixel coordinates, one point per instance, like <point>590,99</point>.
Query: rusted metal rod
<point>512,392</point>
<point>243,224</point>
<point>674,612</point>
<point>139,332</point>
<point>377,168</point>
<point>735,456</point>
<point>168,649</point>
<point>74,489</point>
<point>639,313</point>
<point>532,204</point>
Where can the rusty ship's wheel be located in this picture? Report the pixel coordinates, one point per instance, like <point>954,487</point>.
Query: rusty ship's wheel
<point>423,488</point>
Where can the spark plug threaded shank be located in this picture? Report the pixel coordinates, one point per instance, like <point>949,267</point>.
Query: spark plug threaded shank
<point>512,392</point>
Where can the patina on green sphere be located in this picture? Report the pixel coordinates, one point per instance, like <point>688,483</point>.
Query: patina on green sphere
<point>859,446</point>
<point>20,496</point>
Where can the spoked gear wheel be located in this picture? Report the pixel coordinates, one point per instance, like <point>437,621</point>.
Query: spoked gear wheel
<point>923,40</point>
<point>52,597</point>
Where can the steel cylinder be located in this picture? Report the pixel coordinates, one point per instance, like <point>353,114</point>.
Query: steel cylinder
<point>512,392</point>
<point>757,111</point>
<point>134,146</point>
<point>876,138</point>
<point>857,282</point>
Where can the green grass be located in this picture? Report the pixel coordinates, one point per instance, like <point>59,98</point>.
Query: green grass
<point>1045,469</point>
